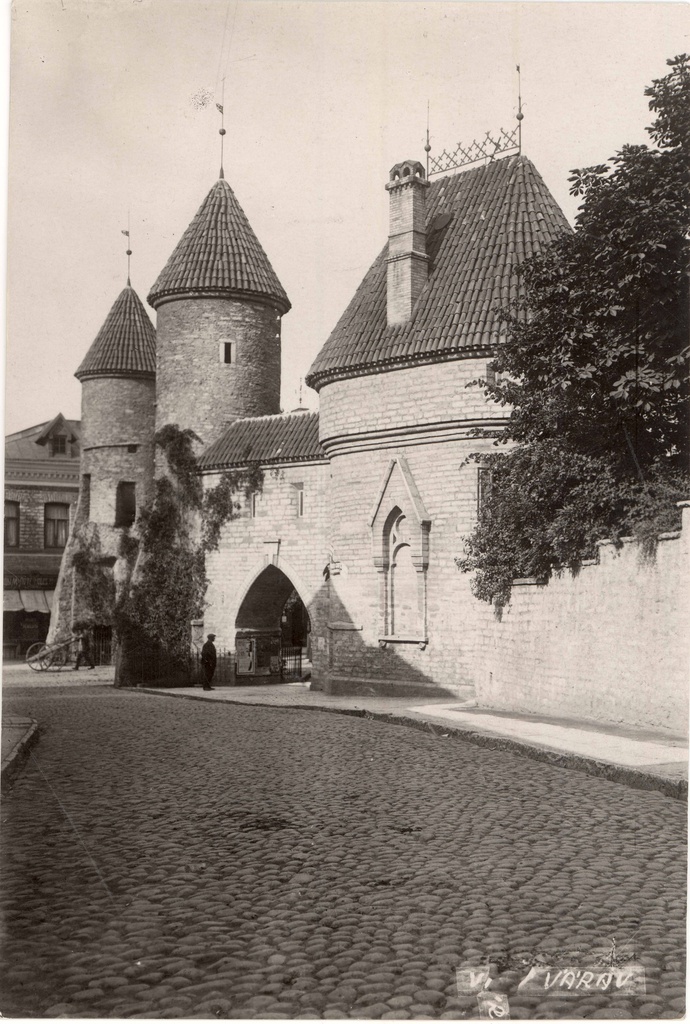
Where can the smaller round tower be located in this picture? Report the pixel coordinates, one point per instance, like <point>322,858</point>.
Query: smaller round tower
<point>118,401</point>
<point>218,303</point>
<point>118,378</point>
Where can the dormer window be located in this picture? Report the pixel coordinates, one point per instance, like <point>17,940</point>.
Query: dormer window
<point>58,445</point>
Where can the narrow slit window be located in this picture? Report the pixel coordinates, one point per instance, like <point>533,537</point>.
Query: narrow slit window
<point>483,487</point>
<point>299,488</point>
<point>228,353</point>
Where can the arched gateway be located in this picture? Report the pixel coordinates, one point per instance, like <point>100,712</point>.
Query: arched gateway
<point>272,628</point>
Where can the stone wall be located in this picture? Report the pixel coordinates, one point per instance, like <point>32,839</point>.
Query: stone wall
<point>608,645</point>
<point>426,415</point>
<point>418,399</point>
<point>117,440</point>
<point>276,536</point>
<point>195,387</point>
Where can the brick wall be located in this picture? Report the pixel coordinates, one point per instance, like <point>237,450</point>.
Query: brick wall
<point>196,389</point>
<point>32,502</point>
<point>610,644</point>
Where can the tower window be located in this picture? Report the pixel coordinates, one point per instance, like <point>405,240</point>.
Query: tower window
<point>125,504</point>
<point>58,446</point>
<point>132,449</point>
<point>11,524</point>
<point>227,352</point>
<point>56,525</point>
<point>254,504</point>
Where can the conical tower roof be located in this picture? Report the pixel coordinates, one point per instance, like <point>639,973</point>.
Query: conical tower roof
<point>126,343</point>
<point>219,256</point>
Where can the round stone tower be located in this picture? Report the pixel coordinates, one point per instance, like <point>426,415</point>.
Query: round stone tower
<point>118,401</point>
<point>118,378</point>
<point>219,304</point>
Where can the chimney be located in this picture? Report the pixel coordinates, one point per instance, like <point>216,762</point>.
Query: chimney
<point>407,258</point>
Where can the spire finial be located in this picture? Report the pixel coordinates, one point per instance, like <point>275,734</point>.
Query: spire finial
<point>519,114</point>
<point>427,148</point>
<point>301,382</point>
<point>221,130</point>
<point>129,251</point>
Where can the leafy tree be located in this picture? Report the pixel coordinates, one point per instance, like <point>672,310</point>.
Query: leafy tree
<point>595,367</point>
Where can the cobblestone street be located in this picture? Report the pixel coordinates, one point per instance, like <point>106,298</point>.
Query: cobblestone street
<point>172,858</point>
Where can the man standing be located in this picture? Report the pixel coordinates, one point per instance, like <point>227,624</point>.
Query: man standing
<point>85,653</point>
<point>208,660</point>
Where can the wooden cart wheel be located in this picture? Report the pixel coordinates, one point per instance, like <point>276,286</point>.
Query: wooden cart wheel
<point>39,657</point>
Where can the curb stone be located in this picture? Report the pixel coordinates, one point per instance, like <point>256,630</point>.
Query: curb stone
<point>677,789</point>
<point>13,763</point>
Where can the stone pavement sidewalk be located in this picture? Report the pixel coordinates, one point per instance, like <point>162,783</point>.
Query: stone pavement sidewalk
<point>643,759</point>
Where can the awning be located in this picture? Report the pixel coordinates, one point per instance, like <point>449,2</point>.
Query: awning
<point>28,601</point>
<point>11,601</point>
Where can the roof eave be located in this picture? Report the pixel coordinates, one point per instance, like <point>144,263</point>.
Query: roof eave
<point>317,379</point>
<point>158,298</point>
<point>83,375</point>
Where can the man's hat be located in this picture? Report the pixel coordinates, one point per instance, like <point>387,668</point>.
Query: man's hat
<point>211,636</point>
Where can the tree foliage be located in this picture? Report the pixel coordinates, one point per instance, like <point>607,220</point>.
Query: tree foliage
<point>177,528</point>
<point>595,368</point>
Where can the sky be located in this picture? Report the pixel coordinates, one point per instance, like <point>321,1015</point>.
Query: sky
<point>113,122</point>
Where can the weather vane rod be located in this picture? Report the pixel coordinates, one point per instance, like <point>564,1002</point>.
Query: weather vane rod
<point>221,131</point>
<point>129,251</point>
<point>427,148</point>
<point>519,114</point>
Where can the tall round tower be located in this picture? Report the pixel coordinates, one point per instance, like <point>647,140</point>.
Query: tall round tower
<point>118,378</point>
<point>219,304</point>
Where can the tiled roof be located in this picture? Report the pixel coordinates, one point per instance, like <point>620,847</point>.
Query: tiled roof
<point>125,344</point>
<point>481,224</point>
<point>22,444</point>
<point>288,437</point>
<point>219,254</point>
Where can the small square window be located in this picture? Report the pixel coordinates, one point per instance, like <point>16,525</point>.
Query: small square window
<point>227,352</point>
<point>132,449</point>
<point>58,446</point>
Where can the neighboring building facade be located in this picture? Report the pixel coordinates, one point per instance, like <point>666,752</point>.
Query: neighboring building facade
<point>41,490</point>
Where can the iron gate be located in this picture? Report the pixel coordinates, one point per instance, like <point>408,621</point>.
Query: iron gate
<point>290,662</point>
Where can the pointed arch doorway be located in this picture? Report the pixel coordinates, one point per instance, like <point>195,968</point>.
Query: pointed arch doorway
<point>272,628</point>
